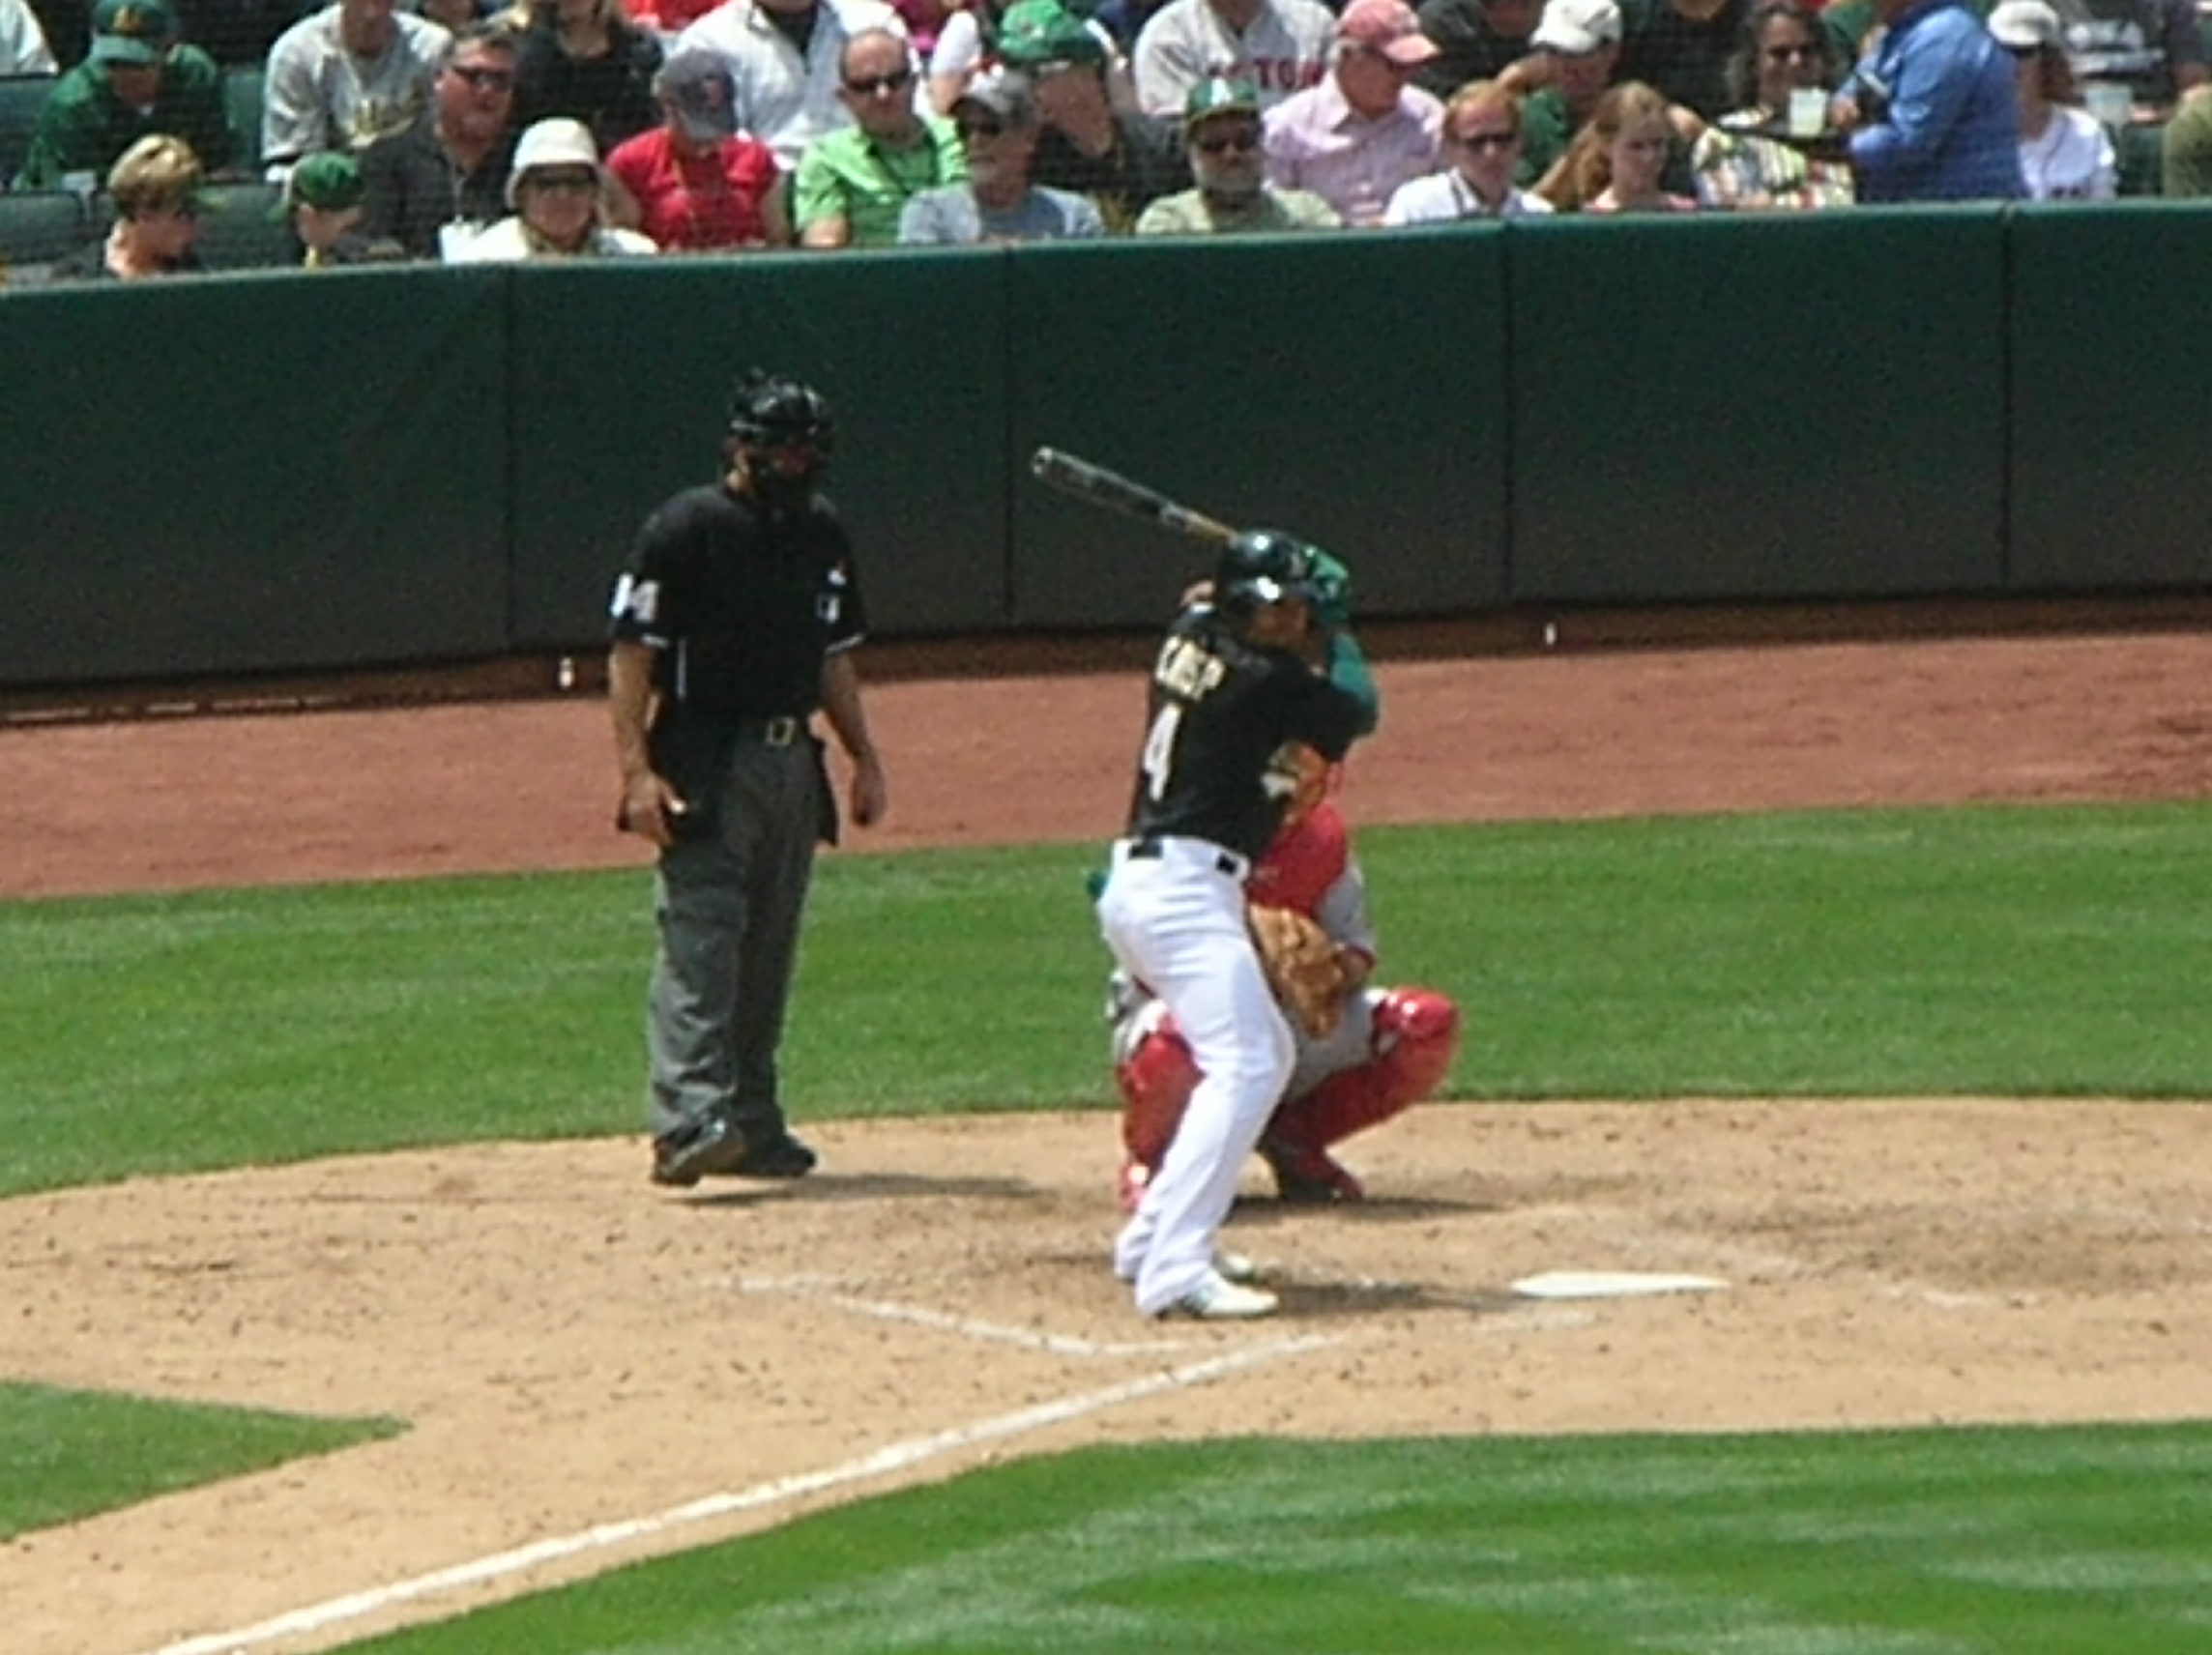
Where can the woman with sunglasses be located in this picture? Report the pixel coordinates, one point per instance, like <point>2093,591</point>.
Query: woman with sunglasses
<point>557,191</point>
<point>1482,141</point>
<point>1735,161</point>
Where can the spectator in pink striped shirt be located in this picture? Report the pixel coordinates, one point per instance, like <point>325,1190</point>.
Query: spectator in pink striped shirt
<point>1366,128</point>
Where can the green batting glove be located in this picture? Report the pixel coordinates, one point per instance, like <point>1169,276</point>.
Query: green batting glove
<point>1331,584</point>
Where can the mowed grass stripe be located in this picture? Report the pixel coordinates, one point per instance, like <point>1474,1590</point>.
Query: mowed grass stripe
<point>1995,1542</point>
<point>2040,952</point>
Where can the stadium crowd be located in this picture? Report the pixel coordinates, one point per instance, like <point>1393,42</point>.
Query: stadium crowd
<point>463,130</point>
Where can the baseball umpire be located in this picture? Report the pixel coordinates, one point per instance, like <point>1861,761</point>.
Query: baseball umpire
<point>1231,697</point>
<point>733,622</point>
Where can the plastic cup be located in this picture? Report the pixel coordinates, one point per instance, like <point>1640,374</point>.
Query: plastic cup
<point>2109,102</point>
<point>1808,113</point>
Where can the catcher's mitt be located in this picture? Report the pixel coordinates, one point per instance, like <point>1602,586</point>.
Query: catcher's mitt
<point>1302,967</point>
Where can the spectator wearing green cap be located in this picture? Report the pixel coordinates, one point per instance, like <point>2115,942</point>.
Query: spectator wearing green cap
<point>325,200</point>
<point>1222,131</point>
<point>1122,159</point>
<point>136,81</point>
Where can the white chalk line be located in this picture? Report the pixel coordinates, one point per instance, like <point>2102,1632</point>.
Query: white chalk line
<point>816,1292</point>
<point>896,1456</point>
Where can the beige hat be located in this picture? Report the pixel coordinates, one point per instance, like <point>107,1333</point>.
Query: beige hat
<point>557,142</point>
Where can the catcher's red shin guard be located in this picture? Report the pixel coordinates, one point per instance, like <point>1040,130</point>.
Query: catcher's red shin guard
<point>1156,1081</point>
<point>1416,1035</point>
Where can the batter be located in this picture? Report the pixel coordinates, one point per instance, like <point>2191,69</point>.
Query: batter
<point>1231,697</point>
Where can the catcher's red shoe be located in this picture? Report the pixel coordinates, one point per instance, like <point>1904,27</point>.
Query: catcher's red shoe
<point>1307,1176</point>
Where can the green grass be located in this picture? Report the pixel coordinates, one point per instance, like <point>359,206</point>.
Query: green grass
<point>69,1454</point>
<point>2036,952</point>
<point>2012,1542</point>
<point>2040,952</point>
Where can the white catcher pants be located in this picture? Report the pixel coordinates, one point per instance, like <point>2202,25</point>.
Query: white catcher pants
<point>1175,921</point>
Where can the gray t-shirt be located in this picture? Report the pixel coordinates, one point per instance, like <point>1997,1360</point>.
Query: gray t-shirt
<point>951,216</point>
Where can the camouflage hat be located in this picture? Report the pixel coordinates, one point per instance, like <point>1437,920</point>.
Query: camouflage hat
<point>1219,96</point>
<point>1037,33</point>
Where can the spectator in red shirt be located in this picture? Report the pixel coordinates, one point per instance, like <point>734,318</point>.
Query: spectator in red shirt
<point>701,184</point>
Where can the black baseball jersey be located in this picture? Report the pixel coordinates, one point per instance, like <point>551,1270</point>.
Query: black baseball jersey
<point>1219,716</point>
<point>741,605</point>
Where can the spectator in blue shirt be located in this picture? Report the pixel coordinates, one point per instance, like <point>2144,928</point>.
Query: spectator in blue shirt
<point>1933,114</point>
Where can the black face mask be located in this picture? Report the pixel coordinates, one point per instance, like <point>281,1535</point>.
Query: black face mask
<point>781,488</point>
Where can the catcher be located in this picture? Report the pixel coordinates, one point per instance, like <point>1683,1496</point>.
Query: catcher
<point>1364,1053</point>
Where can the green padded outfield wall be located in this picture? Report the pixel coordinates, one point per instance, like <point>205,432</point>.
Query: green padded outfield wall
<point>252,473</point>
<point>2111,339</point>
<point>622,376</point>
<point>1783,405</point>
<point>1351,388</point>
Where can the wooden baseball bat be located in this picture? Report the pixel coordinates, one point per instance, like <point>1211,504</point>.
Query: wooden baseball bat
<point>1115,492</point>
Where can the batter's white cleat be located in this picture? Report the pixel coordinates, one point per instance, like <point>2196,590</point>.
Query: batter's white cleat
<point>1217,1299</point>
<point>1240,1270</point>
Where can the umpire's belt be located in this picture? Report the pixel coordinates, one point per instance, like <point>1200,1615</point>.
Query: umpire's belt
<point>1176,849</point>
<point>769,732</point>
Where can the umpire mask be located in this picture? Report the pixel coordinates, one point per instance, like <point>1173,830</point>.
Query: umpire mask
<point>783,429</point>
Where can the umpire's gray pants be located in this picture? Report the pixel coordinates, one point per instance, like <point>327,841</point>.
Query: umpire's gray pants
<point>728,910</point>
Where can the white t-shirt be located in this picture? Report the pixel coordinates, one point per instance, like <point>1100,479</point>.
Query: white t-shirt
<point>24,48</point>
<point>318,96</point>
<point>1445,197</point>
<point>2073,160</point>
<point>1185,41</point>
<point>785,99</point>
<point>508,241</point>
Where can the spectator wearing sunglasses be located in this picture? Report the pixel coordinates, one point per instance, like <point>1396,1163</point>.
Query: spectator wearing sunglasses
<point>155,186</point>
<point>1482,143</point>
<point>344,76</point>
<point>1223,132</point>
<point>996,120</point>
<point>785,58</point>
<point>1122,159</point>
<point>1366,128</point>
<point>444,179</point>
<point>557,189</point>
<point>1735,163</point>
<point>852,184</point>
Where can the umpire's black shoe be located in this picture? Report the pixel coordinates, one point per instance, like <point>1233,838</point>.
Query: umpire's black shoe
<point>781,1156</point>
<point>683,1157</point>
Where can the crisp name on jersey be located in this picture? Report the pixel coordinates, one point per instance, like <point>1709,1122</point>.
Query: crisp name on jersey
<point>1188,670</point>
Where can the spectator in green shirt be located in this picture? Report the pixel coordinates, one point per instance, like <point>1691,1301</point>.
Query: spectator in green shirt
<point>137,80</point>
<point>854,182</point>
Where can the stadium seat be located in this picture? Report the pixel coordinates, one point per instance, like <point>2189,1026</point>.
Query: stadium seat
<point>21,98</point>
<point>36,227</point>
<point>241,91</point>
<point>237,231</point>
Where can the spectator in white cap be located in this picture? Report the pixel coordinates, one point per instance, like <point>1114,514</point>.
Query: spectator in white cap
<point>1574,58</point>
<point>2065,153</point>
<point>996,120</point>
<point>1366,128</point>
<point>556,188</point>
<point>698,182</point>
<point>1275,46</point>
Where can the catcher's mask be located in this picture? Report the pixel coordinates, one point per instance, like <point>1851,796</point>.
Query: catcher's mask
<point>783,429</point>
<point>1261,566</point>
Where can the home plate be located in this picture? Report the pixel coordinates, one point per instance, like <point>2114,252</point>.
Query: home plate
<point>1610,1284</point>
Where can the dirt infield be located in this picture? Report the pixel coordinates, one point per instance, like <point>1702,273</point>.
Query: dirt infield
<point>555,1331</point>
